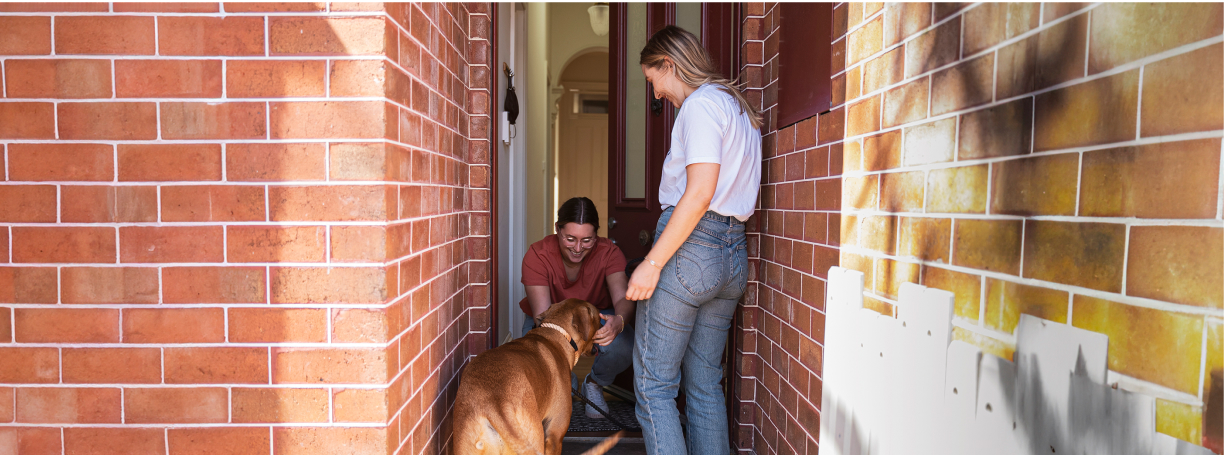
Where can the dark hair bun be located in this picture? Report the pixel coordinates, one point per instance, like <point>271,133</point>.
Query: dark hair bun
<point>578,210</point>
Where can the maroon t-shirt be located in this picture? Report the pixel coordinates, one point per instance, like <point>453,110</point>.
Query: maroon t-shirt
<point>543,266</point>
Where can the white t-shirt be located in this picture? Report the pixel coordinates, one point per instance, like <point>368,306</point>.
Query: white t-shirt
<point>711,129</point>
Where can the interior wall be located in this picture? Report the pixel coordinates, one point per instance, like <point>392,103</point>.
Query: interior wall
<point>549,36</point>
<point>570,35</point>
<point>582,150</point>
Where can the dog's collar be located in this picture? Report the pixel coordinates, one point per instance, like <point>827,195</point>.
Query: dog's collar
<point>563,332</point>
<point>567,338</point>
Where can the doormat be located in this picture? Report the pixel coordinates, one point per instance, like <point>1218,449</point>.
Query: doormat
<point>622,411</point>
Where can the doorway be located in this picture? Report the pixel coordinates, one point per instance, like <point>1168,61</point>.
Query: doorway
<point>581,151</point>
<point>555,152</point>
<point>551,49</point>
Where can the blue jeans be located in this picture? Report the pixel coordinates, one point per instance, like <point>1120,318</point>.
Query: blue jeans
<point>612,359</point>
<point>681,333</point>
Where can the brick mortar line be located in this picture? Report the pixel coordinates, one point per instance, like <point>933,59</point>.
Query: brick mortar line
<point>219,14</point>
<point>267,110</point>
<point>1136,385</point>
<point>314,265</point>
<point>345,140</point>
<point>295,386</point>
<point>253,183</point>
<point>250,58</point>
<point>1151,140</point>
<point>267,29</point>
<point>219,344</point>
<point>1202,392</point>
<point>176,425</point>
<point>168,306</point>
<point>237,223</point>
<point>1220,186</point>
<point>1135,301</point>
<point>1204,222</point>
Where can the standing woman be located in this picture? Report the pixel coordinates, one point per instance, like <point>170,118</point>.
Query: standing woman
<point>697,270</point>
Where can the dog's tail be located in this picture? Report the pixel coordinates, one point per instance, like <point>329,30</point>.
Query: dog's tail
<point>605,445</point>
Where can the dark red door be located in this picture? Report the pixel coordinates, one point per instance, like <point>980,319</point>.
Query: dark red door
<point>638,127</point>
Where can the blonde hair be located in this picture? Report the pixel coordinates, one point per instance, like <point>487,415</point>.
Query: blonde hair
<point>693,65</point>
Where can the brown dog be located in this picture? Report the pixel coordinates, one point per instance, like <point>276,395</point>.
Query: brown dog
<point>515,399</point>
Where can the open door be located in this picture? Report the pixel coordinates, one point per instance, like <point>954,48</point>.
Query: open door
<point>640,126</point>
<point>637,127</point>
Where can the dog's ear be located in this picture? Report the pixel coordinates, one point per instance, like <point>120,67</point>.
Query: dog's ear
<point>596,322</point>
<point>551,311</point>
<point>580,322</point>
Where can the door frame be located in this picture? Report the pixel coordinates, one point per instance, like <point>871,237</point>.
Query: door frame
<point>491,340</point>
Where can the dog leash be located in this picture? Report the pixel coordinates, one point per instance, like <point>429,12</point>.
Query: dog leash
<point>574,392</point>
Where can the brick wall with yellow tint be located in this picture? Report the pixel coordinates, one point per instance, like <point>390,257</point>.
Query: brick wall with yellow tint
<point>228,228</point>
<point>1061,160</point>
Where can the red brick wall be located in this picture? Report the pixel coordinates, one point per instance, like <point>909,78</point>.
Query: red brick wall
<point>1059,160</point>
<point>255,226</point>
<point>793,243</point>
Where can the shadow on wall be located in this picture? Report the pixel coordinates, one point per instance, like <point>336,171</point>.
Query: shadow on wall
<point>1053,56</point>
<point>1040,61</point>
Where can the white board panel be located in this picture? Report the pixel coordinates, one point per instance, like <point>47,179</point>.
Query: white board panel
<point>844,299</point>
<point>1109,421</point>
<point>997,428</point>
<point>1046,354</point>
<point>959,397</point>
<point>925,318</point>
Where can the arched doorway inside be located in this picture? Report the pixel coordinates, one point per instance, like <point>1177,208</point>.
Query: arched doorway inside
<point>581,129</point>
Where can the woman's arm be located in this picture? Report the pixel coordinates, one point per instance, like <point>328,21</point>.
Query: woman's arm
<point>702,181</point>
<point>618,284</point>
<point>539,299</point>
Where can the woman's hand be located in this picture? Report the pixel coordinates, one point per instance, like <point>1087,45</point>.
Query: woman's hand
<point>610,329</point>
<point>642,283</point>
